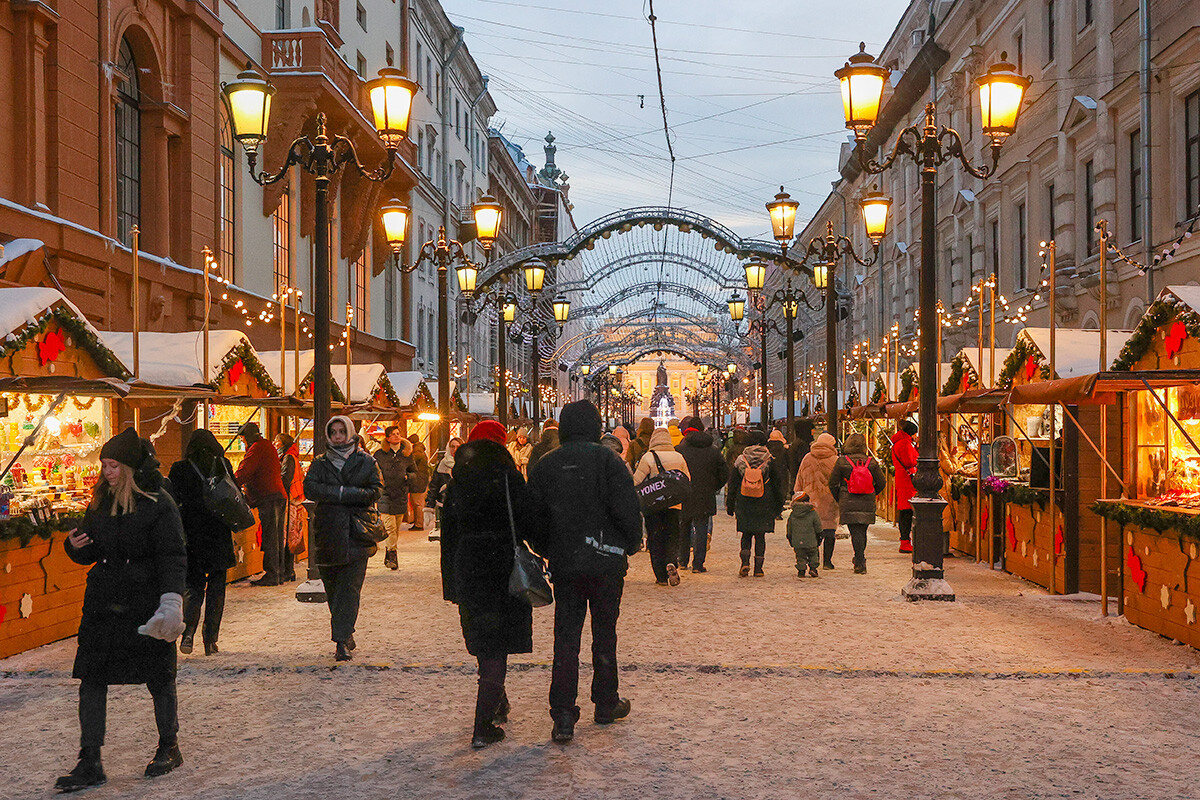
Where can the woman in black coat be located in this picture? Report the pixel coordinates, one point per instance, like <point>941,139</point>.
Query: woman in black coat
<point>209,540</point>
<point>477,557</point>
<point>133,603</point>
<point>857,509</point>
<point>345,484</point>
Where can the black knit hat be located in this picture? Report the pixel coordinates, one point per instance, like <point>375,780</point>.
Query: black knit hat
<point>126,447</point>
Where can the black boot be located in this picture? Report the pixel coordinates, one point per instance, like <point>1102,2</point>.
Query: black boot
<point>389,559</point>
<point>166,758</point>
<point>745,570</point>
<point>88,772</point>
<point>501,715</point>
<point>487,706</point>
<point>342,653</point>
<point>564,723</point>
<point>610,714</point>
<point>758,564</point>
<point>186,641</point>
<point>829,540</point>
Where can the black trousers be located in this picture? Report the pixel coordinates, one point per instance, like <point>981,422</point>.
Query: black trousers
<point>662,540</point>
<point>343,593</point>
<point>904,518</point>
<point>760,546</point>
<point>858,540</point>
<point>573,595</point>
<point>205,590</point>
<point>272,515</point>
<point>93,712</point>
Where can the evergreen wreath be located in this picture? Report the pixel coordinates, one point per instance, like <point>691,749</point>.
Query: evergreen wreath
<point>878,392</point>
<point>1157,519</point>
<point>908,380</point>
<point>81,333</point>
<point>1016,360</point>
<point>1157,315</point>
<point>245,353</point>
<point>24,529</point>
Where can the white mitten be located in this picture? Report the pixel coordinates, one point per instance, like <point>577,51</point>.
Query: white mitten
<point>167,622</point>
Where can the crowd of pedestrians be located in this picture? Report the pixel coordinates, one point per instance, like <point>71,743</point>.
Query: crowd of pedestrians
<point>582,498</point>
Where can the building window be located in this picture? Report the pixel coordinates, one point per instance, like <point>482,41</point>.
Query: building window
<point>360,14</point>
<point>457,119</point>
<point>1050,31</point>
<point>971,271</point>
<point>283,14</point>
<point>362,284</point>
<point>1089,206</point>
<point>1088,13</point>
<point>1022,248</point>
<point>228,200</point>
<point>1135,185</point>
<point>421,330</point>
<point>281,235</point>
<point>1191,141</point>
<point>1052,213</point>
<point>428,77</point>
<point>417,64</point>
<point>1020,49</point>
<point>129,145</point>
<point>421,151</point>
<point>361,65</point>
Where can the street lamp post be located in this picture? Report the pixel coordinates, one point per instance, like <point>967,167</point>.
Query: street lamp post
<point>444,253</point>
<point>506,311</point>
<point>1001,92</point>
<point>535,273</point>
<point>248,101</point>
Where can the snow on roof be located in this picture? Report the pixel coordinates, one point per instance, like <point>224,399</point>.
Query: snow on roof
<point>174,359</point>
<point>22,305</point>
<point>1076,352</point>
<point>483,403</point>
<point>270,362</point>
<point>1190,295</point>
<point>10,251</point>
<point>363,380</point>
<point>406,384</point>
<point>971,356</point>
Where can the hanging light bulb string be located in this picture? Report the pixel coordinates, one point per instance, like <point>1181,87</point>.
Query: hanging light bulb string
<point>1166,254</point>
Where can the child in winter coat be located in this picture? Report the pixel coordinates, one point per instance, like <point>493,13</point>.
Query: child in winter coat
<point>804,533</point>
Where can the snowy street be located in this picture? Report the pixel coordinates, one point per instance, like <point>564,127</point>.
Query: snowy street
<point>742,688</point>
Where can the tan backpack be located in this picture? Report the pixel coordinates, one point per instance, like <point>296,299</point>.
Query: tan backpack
<point>752,482</point>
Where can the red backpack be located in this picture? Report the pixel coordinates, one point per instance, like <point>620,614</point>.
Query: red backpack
<point>860,480</point>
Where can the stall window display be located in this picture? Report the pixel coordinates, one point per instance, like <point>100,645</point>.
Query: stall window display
<point>225,421</point>
<point>1168,466</point>
<point>55,475</point>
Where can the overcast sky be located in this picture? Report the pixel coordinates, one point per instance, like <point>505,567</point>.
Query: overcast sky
<point>750,94</point>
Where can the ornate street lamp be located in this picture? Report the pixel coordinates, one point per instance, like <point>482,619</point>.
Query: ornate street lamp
<point>535,275</point>
<point>534,327</point>
<point>875,207</point>
<point>1001,94</point>
<point>783,218</point>
<point>756,275</point>
<point>737,309</point>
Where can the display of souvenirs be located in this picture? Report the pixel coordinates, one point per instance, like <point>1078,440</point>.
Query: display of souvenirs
<point>1167,464</point>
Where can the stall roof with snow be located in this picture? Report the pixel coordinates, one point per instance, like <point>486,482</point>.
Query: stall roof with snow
<point>1168,334</point>
<point>44,333</point>
<point>270,361</point>
<point>481,403</point>
<point>456,400</point>
<point>411,389</point>
<point>368,384</point>
<point>1076,352</point>
<point>177,359</point>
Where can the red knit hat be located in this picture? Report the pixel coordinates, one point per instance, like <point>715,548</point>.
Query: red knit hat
<point>488,429</point>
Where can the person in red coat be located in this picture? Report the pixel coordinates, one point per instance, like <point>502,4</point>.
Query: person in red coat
<point>904,459</point>
<point>261,479</point>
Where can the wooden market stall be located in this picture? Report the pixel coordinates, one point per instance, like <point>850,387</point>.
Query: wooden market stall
<point>295,417</point>
<point>1159,517</point>
<point>1057,546</point>
<point>414,395</point>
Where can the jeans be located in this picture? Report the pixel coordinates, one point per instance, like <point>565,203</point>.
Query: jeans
<point>573,595</point>
<point>205,590</point>
<point>343,592</point>
<point>904,518</point>
<point>858,539</point>
<point>272,515</point>
<point>662,540</point>
<point>694,537</point>
<point>93,712</point>
<point>760,546</point>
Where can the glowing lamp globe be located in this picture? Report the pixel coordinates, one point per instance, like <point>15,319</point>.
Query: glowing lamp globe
<point>1001,92</point>
<point>487,212</point>
<point>783,216</point>
<point>391,96</point>
<point>875,206</point>
<point>394,216</point>
<point>862,82</point>
<point>248,101</point>
<point>737,308</point>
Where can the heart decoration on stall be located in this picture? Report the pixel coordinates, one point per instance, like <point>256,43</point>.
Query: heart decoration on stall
<point>1174,338</point>
<point>1058,540</point>
<point>1030,368</point>
<point>1136,573</point>
<point>51,347</point>
<point>966,383</point>
<point>236,371</point>
<point>1011,530</point>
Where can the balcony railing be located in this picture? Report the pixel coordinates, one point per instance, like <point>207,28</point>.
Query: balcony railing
<point>309,52</point>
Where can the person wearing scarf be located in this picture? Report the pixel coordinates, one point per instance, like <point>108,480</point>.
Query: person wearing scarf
<point>345,484</point>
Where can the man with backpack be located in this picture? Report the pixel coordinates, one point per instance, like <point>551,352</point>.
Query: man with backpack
<point>591,523</point>
<point>855,481</point>
<point>755,495</point>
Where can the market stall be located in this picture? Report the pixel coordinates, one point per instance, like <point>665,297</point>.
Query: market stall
<point>461,419</point>
<point>1158,370</point>
<point>295,417</point>
<point>414,396</point>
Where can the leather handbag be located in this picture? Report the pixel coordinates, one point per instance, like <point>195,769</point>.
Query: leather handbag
<point>663,489</point>
<point>528,579</point>
<point>368,526</point>
<point>225,500</point>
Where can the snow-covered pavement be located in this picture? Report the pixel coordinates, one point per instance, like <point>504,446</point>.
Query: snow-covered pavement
<point>742,688</point>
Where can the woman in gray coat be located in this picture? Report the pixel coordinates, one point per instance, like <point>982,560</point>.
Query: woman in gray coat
<point>857,502</point>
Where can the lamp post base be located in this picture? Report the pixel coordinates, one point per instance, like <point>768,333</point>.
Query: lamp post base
<point>929,576</point>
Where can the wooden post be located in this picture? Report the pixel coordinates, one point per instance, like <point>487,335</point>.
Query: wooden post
<point>1053,414</point>
<point>1102,228</point>
<point>136,302</point>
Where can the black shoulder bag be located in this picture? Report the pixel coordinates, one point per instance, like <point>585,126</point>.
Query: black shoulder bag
<point>528,577</point>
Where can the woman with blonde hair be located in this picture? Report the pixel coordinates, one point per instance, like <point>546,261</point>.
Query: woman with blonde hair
<point>133,604</point>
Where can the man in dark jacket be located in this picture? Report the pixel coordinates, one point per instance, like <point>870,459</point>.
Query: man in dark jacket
<point>549,441</point>
<point>708,472</point>
<point>261,479</point>
<point>591,523</point>
<point>396,466</point>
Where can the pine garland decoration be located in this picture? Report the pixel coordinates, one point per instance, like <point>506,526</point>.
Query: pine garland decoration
<point>908,380</point>
<point>880,389</point>
<point>1157,519</point>
<point>1021,352</point>
<point>81,333</point>
<point>1157,315</point>
<point>958,368</point>
<point>388,390</point>
<point>245,353</point>
<point>24,529</point>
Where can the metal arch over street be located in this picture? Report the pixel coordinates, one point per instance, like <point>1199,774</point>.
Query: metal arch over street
<point>626,220</point>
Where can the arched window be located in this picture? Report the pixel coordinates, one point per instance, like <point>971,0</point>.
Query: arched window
<point>227,201</point>
<point>129,145</point>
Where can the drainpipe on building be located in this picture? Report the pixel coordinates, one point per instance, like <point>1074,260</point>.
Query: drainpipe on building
<point>450,224</point>
<point>1147,208</point>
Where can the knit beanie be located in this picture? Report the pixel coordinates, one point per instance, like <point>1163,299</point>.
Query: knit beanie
<point>489,430</point>
<point>126,448</point>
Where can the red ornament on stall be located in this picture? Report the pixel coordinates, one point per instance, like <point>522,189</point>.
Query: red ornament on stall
<point>1136,573</point>
<point>1011,530</point>
<point>965,384</point>
<point>51,347</point>
<point>3,613</point>
<point>1058,540</point>
<point>915,394</point>
<point>258,537</point>
<point>236,371</point>
<point>1030,368</point>
<point>1176,335</point>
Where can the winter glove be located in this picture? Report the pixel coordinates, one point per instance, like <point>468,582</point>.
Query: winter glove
<point>167,622</point>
